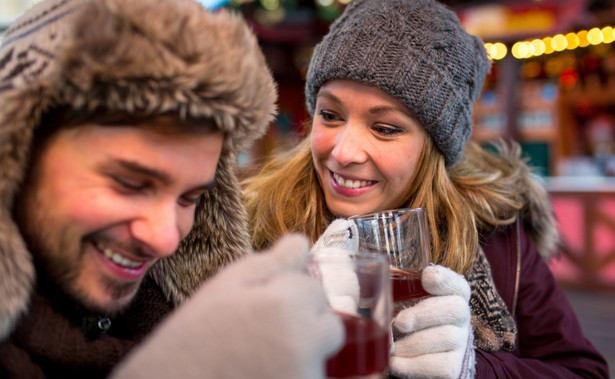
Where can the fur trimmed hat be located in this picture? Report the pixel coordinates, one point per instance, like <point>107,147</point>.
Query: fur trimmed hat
<point>416,51</point>
<point>147,56</point>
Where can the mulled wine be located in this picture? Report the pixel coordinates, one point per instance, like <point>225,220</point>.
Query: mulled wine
<point>407,286</point>
<point>366,350</point>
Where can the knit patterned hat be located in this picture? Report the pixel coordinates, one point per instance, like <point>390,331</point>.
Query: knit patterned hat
<point>415,50</point>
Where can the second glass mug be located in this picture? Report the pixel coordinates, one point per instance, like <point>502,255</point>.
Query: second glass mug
<point>358,289</point>
<point>402,235</point>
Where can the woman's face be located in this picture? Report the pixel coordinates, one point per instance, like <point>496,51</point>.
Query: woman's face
<point>366,146</point>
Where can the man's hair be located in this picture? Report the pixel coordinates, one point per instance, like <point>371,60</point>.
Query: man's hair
<point>67,117</point>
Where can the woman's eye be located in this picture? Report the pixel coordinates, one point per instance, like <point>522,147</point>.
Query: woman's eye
<point>387,131</point>
<point>327,115</point>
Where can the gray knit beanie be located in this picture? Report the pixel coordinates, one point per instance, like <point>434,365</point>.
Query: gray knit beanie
<point>415,50</point>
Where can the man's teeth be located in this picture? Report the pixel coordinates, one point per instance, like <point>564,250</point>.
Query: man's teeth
<point>351,183</point>
<point>118,259</point>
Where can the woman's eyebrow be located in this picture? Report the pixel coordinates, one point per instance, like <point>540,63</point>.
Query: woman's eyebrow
<point>329,96</point>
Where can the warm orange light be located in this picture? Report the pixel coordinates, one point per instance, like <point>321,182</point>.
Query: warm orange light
<point>548,45</point>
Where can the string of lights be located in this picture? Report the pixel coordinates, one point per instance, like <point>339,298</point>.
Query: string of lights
<point>551,44</point>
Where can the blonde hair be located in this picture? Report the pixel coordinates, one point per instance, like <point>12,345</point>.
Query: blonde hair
<point>479,193</point>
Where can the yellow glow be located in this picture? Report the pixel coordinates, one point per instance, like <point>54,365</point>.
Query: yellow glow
<point>325,3</point>
<point>514,50</point>
<point>573,41</point>
<point>270,5</point>
<point>345,1</point>
<point>594,36</point>
<point>501,50</point>
<point>548,47</point>
<point>539,47</point>
<point>496,50</point>
<point>559,42</point>
<point>583,42</point>
<point>490,50</point>
<point>520,50</point>
<point>608,34</point>
<point>531,51</point>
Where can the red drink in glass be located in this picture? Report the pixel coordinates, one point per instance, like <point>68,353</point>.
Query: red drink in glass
<point>407,286</point>
<point>366,350</point>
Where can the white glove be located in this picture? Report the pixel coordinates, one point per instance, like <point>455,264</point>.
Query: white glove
<point>261,317</point>
<point>340,282</point>
<point>340,233</point>
<point>437,337</point>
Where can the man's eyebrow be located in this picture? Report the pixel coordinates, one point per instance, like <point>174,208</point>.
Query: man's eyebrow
<point>141,169</point>
<point>159,175</point>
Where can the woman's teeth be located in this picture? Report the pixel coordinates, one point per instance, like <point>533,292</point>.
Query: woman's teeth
<point>347,183</point>
<point>118,259</point>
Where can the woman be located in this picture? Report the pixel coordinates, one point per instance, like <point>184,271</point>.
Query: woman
<point>390,89</point>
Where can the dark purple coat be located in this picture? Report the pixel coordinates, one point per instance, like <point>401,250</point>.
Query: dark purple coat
<point>550,342</point>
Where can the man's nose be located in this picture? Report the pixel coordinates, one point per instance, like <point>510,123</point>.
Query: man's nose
<point>157,228</point>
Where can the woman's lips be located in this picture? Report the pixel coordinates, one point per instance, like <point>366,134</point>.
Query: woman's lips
<point>350,187</point>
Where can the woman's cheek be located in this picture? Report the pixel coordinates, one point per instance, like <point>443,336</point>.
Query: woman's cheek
<point>321,139</point>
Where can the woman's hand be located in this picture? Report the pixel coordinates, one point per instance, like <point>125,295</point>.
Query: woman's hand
<point>435,335</point>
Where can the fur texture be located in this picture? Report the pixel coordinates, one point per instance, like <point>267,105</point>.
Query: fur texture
<point>150,56</point>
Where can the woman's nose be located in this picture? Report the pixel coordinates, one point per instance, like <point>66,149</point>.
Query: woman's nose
<point>350,146</point>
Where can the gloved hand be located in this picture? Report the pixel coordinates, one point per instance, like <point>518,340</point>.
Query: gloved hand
<point>340,233</point>
<point>436,335</point>
<point>341,282</point>
<point>261,317</point>
<point>339,279</point>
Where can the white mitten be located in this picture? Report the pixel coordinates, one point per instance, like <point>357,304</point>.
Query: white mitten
<point>340,233</point>
<point>261,317</point>
<point>436,335</point>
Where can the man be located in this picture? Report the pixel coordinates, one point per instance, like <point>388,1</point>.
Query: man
<point>120,126</point>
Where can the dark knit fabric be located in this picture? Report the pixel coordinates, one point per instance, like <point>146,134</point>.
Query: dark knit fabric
<point>64,341</point>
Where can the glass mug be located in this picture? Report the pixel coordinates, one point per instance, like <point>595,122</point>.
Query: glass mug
<point>400,234</point>
<point>358,289</point>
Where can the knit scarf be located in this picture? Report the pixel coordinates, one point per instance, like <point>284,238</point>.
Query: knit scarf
<point>494,326</point>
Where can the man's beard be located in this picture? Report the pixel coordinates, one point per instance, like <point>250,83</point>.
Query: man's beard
<point>59,257</point>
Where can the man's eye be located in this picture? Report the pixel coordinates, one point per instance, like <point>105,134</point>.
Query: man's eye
<point>130,184</point>
<point>190,200</point>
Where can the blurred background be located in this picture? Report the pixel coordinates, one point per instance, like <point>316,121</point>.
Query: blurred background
<point>551,87</point>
